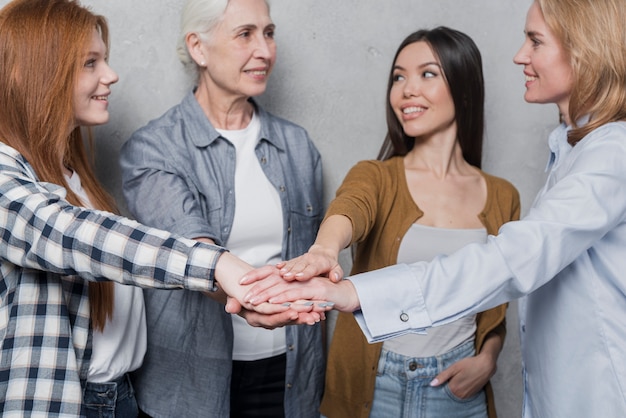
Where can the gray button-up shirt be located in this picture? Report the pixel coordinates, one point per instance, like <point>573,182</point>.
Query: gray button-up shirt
<point>178,174</point>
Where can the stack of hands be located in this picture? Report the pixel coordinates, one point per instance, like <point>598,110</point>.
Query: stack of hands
<point>298,291</point>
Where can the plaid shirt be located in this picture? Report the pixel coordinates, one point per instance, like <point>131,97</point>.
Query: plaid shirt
<point>47,248</point>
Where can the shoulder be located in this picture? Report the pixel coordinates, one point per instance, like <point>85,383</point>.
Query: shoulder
<point>611,134</point>
<point>499,184</point>
<point>388,169</point>
<point>282,132</point>
<point>602,150</point>
<point>12,160</point>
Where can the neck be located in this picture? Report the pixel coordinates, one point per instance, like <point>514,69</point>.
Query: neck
<point>438,157</point>
<point>224,111</point>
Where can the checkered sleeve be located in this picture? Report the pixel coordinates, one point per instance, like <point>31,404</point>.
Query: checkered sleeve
<point>41,230</point>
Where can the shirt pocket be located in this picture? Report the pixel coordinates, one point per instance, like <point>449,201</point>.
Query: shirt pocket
<point>304,220</point>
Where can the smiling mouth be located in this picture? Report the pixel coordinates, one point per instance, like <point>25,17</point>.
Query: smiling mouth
<point>257,72</point>
<point>413,109</point>
<point>530,78</point>
<point>105,98</point>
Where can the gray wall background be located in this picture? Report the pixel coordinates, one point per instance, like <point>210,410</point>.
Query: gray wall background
<point>330,77</point>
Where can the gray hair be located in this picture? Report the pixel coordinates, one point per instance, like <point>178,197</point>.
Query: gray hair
<point>201,17</point>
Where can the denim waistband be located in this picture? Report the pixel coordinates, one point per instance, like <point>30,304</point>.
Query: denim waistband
<point>423,367</point>
<point>108,392</point>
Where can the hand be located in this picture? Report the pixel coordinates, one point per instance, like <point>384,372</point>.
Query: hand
<point>302,313</point>
<point>341,295</point>
<point>318,261</point>
<point>468,376</point>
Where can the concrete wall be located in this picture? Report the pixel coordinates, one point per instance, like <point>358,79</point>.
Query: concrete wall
<point>330,77</point>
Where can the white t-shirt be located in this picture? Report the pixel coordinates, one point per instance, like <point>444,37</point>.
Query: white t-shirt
<point>121,346</point>
<point>256,236</point>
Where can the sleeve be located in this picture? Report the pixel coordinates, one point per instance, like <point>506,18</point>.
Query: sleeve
<point>156,188</point>
<point>565,221</point>
<point>41,230</point>
<point>357,198</point>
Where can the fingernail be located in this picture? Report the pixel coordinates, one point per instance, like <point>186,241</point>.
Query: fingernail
<point>326,304</point>
<point>285,304</point>
<point>434,382</point>
<point>299,274</point>
<point>243,280</point>
<point>307,304</point>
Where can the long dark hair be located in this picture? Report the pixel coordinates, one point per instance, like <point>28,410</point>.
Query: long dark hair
<point>462,68</point>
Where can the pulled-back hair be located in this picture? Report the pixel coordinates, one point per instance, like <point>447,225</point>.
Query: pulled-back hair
<point>42,50</point>
<point>461,64</point>
<point>593,34</point>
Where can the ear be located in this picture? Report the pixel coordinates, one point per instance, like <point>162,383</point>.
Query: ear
<point>195,48</point>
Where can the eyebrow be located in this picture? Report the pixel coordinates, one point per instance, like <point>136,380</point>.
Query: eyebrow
<point>426,64</point>
<point>533,33</point>
<point>252,26</point>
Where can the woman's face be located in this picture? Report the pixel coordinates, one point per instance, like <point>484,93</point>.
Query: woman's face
<point>240,52</point>
<point>419,95</point>
<point>546,65</point>
<point>93,87</point>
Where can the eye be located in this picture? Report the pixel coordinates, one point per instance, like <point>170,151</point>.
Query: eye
<point>397,77</point>
<point>90,63</point>
<point>535,42</point>
<point>244,34</point>
<point>269,34</point>
<point>429,74</point>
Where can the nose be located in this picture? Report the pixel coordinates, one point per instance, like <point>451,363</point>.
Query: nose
<point>109,76</point>
<point>410,88</point>
<point>265,48</point>
<point>522,56</point>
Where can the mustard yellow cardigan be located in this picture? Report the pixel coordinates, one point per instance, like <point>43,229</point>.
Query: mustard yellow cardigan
<point>375,197</point>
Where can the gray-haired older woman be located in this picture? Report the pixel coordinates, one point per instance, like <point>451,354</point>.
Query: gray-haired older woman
<point>219,168</point>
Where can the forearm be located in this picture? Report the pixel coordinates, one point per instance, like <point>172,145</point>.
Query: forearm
<point>334,234</point>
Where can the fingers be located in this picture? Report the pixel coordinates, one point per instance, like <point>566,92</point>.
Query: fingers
<point>257,319</point>
<point>444,376</point>
<point>259,274</point>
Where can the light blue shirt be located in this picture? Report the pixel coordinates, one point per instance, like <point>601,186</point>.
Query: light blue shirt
<point>567,257</point>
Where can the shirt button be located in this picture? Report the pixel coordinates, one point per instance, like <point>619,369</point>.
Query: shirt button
<point>412,366</point>
<point>309,208</point>
<point>289,385</point>
<point>263,160</point>
<point>404,317</point>
<point>282,188</point>
<point>291,347</point>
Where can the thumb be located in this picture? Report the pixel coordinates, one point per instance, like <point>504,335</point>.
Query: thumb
<point>336,274</point>
<point>232,305</point>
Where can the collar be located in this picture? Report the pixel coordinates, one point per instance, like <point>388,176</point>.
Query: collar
<point>193,111</point>
<point>557,141</point>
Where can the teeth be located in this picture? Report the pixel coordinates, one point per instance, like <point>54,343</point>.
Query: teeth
<point>530,78</point>
<point>263,72</point>
<point>100,98</point>
<point>412,109</point>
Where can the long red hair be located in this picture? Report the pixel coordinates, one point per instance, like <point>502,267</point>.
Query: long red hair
<point>42,48</point>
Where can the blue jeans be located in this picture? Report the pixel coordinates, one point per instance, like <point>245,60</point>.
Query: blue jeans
<point>402,387</point>
<point>114,399</point>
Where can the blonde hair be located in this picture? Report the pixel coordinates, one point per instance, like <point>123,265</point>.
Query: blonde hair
<point>593,33</point>
<point>42,48</point>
